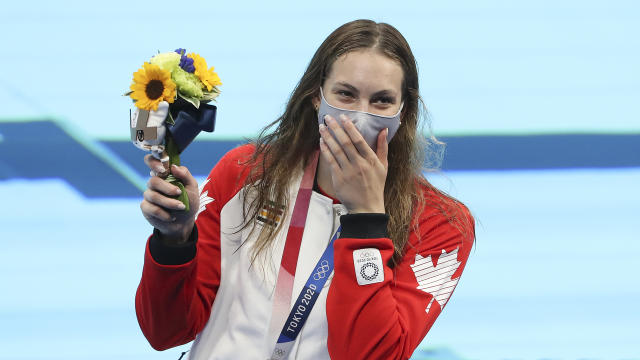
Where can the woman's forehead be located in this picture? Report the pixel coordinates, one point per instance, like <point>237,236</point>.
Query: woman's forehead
<point>366,70</point>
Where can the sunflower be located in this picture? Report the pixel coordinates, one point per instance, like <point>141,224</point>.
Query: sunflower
<point>151,85</point>
<point>208,77</point>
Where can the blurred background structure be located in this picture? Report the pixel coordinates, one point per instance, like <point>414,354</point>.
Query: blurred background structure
<point>538,103</point>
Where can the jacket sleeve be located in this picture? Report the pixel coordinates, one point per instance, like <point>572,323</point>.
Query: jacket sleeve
<point>388,319</point>
<point>179,283</point>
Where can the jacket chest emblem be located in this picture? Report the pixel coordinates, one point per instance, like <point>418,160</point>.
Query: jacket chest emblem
<point>270,214</point>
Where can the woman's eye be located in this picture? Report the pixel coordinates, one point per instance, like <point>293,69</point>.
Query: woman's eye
<point>345,93</point>
<point>384,100</point>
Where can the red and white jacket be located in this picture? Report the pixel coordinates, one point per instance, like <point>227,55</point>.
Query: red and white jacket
<point>209,291</point>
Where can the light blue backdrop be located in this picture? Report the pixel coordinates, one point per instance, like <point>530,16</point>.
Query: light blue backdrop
<point>486,66</point>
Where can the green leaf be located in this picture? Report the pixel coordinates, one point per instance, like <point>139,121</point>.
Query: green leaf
<point>209,95</point>
<point>193,101</point>
<point>169,120</point>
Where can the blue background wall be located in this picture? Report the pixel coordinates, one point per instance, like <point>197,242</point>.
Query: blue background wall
<point>537,102</point>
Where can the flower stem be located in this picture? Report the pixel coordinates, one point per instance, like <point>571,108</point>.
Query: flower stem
<point>174,159</point>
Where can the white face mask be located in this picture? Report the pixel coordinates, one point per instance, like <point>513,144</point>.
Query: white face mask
<point>369,125</point>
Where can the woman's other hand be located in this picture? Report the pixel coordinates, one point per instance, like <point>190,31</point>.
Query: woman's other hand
<point>164,212</point>
<point>358,173</point>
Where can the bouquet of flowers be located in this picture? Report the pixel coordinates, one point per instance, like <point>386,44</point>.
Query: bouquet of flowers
<point>171,93</point>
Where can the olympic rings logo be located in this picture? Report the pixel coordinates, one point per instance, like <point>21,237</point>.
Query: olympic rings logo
<point>369,271</point>
<point>365,254</point>
<point>322,270</point>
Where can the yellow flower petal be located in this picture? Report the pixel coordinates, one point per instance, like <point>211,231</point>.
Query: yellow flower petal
<point>207,76</point>
<point>141,79</point>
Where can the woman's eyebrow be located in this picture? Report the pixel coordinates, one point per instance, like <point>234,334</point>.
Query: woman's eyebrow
<point>350,87</point>
<point>385,92</point>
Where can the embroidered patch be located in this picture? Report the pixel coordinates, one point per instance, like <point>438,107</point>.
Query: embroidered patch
<point>271,214</point>
<point>368,265</point>
<point>434,276</point>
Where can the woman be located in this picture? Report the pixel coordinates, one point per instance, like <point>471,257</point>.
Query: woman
<point>290,252</point>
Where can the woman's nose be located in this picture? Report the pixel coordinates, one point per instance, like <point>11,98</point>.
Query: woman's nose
<point>363,106</point>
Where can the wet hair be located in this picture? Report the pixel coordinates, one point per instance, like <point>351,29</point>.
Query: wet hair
<point>283,147</point>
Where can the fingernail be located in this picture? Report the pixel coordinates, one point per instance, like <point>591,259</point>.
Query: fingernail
<point>343,118</point>
<point>181,207</point>
<point>327,119</point>
<point>322,127</point>
<point>178,191</point>
<point>174,166</point>
<point>158,169</point>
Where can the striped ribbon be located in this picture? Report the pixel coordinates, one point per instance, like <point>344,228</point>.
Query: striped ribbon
<point>287,272</point>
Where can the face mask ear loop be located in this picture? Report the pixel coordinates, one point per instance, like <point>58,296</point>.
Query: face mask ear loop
<point>322,100</point>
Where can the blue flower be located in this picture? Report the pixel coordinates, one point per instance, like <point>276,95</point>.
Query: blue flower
<point>186,63</point>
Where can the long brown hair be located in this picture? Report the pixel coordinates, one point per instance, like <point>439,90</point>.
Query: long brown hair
<point>284,150</point>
